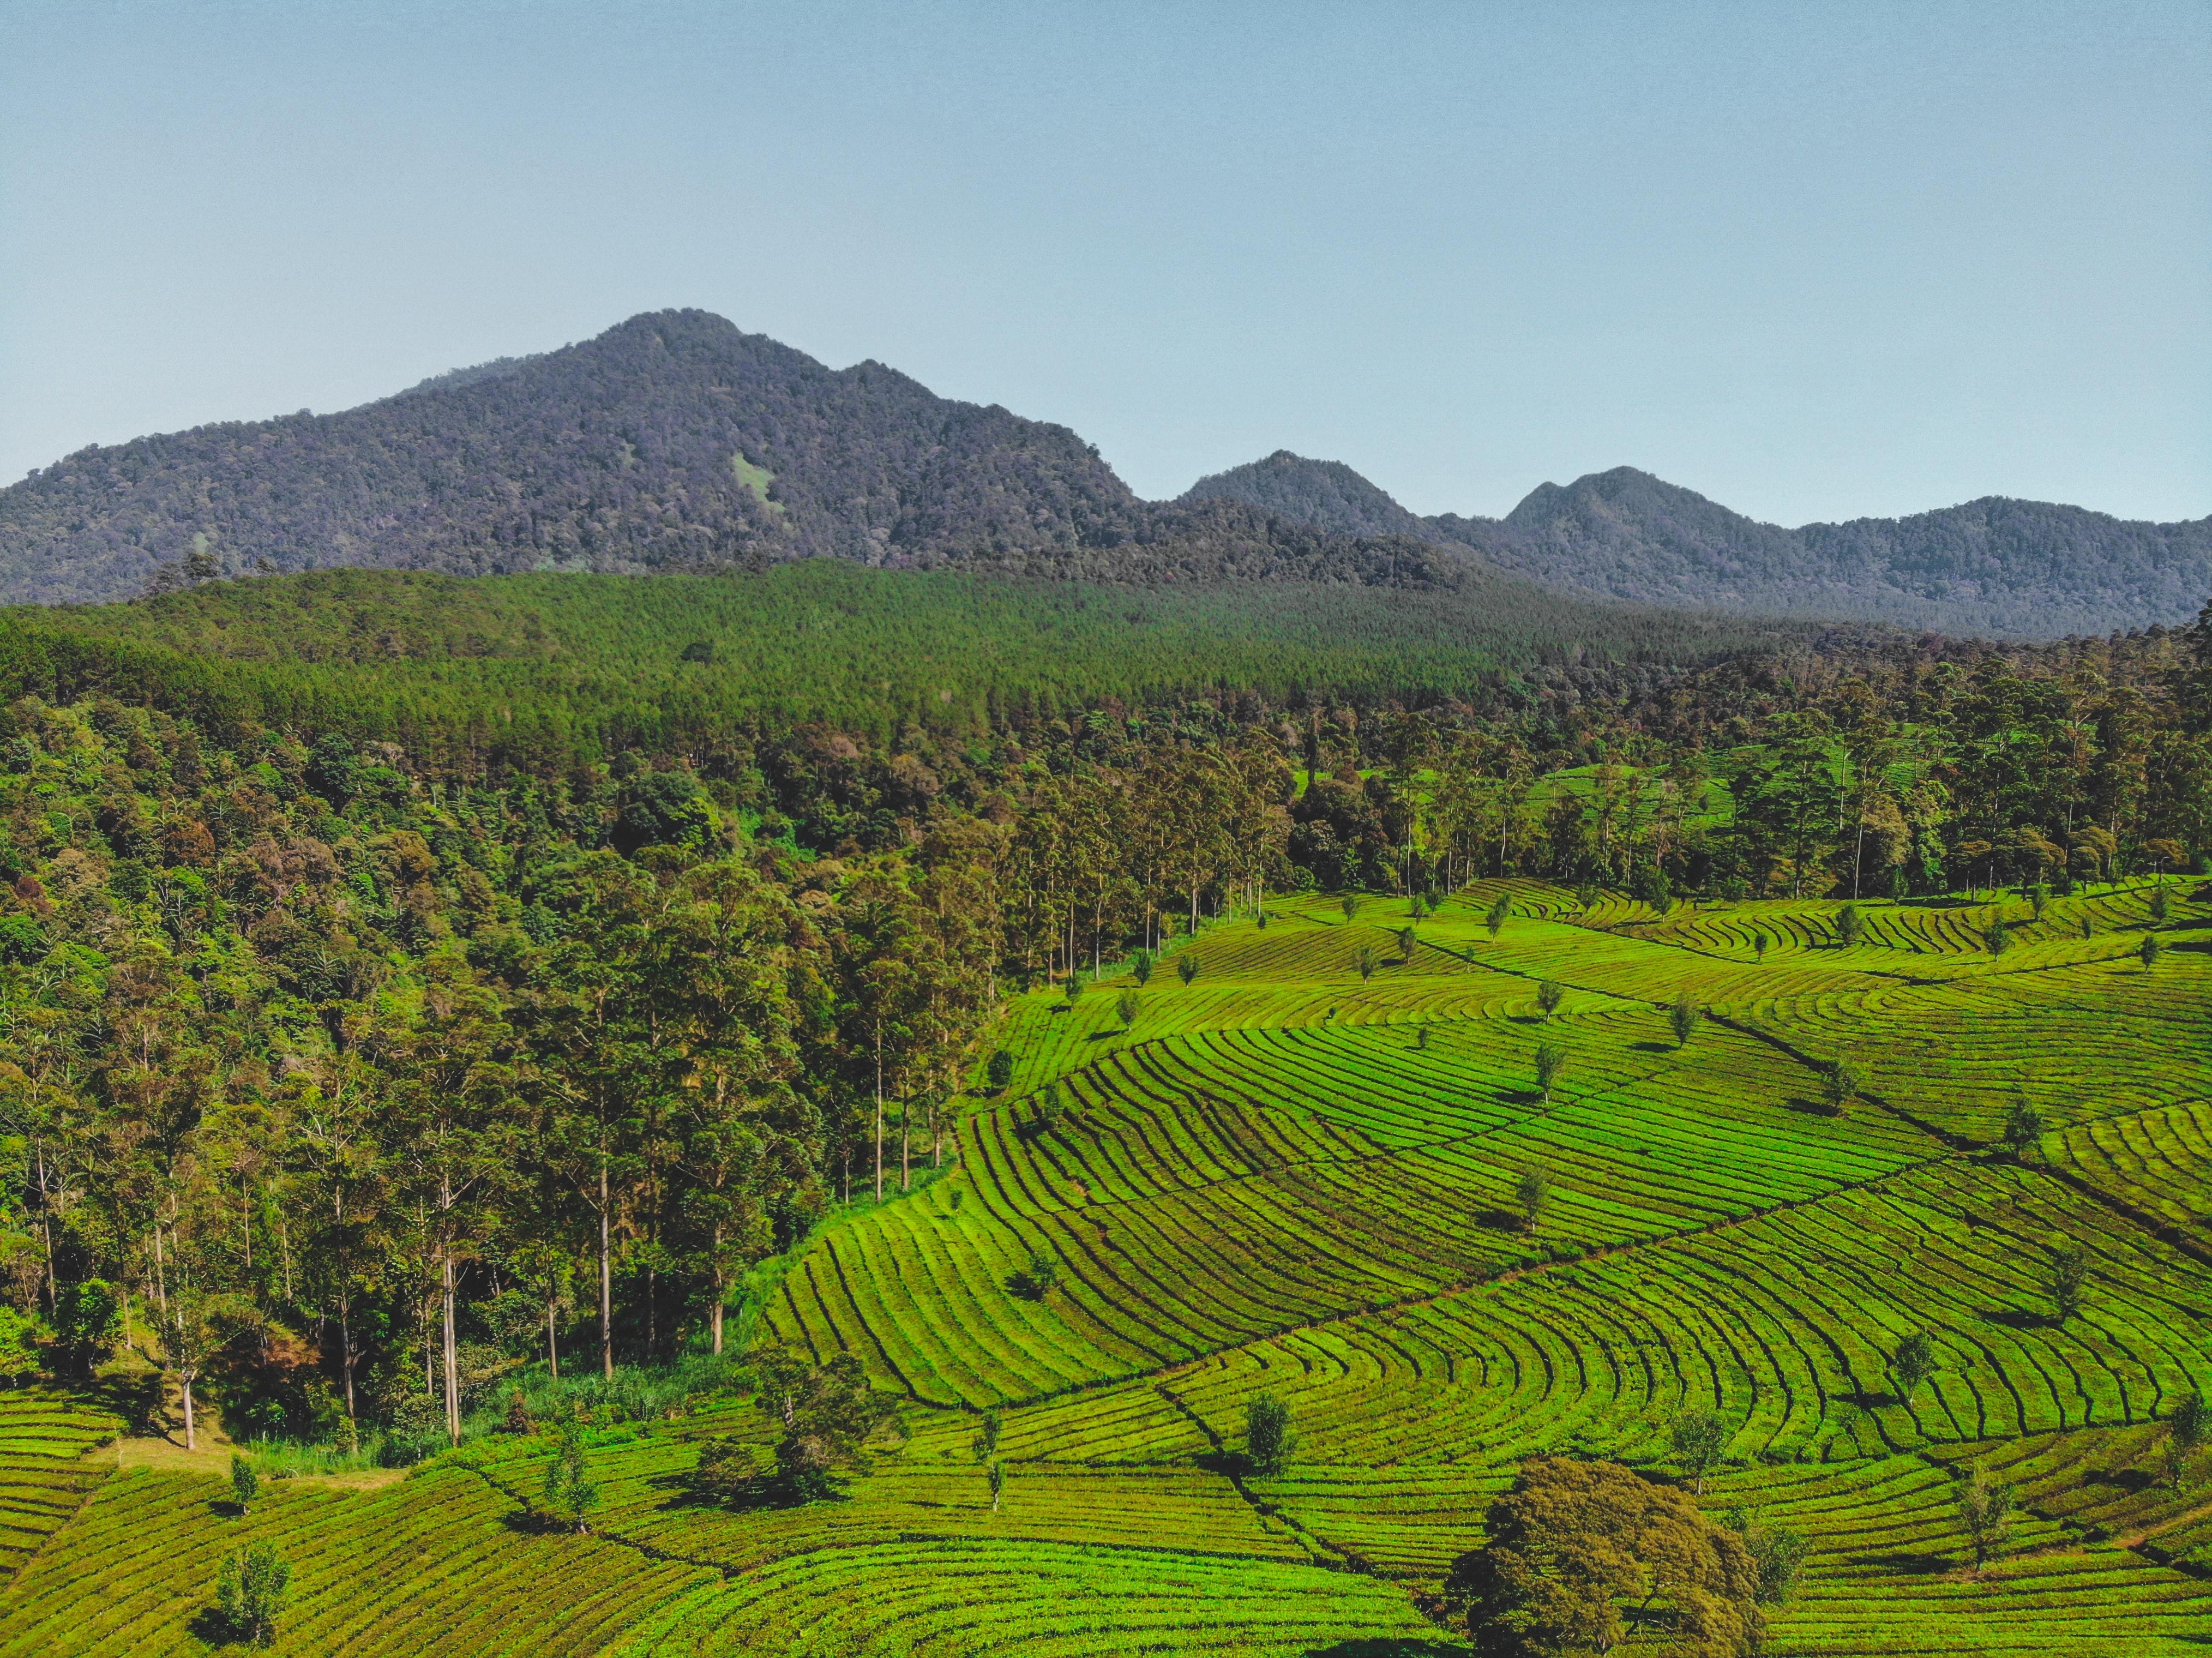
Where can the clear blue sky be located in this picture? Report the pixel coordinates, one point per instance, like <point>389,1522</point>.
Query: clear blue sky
<point>1814,261</point>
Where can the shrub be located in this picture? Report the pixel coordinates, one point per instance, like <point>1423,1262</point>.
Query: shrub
<point>1912,1363</point>
<point>1986,1511</point>
<point>1849,927</point>
<point>999,1073</point>
<point>1551,1060</point>
<point>1698,1437</point>
<point>1124,1008</point>
<point>2069,1279</point>
<point>2023,1129</point>
<point>2187,1428</point>
<point>1187,966</point>
<point>1683,1017</point>
<point>245,1483</point>
<point>251,1590</point>
<point>1269,1441</point>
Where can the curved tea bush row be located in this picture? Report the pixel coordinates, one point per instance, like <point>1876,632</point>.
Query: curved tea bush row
<point>47,1467</point>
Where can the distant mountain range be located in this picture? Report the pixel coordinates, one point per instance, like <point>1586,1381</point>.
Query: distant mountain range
<point>675,441</point>
<point>1996,566</point>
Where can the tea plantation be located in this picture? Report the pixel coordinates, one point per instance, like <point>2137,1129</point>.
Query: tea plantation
<point>1302,1172</point>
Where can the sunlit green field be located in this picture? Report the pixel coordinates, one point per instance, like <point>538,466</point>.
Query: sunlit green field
<point>1284,1175</point>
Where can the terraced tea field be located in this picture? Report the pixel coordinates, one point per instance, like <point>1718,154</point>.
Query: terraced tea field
<point>1289,1176</point>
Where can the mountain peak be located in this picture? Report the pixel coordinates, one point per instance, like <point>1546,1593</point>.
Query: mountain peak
<point>1325,494</point>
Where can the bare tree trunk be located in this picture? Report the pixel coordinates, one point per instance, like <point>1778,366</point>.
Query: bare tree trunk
<point>606,1284</point>
<point>192,1443</point>
<point>715,1316</point>
<point>345,1352</point>
<point>552,1340</point>
<point>879,1111</point>
<point>448,1348</point>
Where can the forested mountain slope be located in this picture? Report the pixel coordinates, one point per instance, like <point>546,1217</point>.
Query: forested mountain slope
<point>1997,566</point>
<point>672,441</point>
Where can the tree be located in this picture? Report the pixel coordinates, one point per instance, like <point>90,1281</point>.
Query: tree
<point>1758,945</point>
<point>1124,1008</point>
<point>1141,965</point>
<point>1577,1547</point>
<point>2188,1425</point>
<point>997,1477</point>
<point>568,1490</point>
<point>1839,1086</point>
<point>1849,927</point>
<point>824,1413</point>
<point>1682,1017</point>
<point>1405,936</point>
<point>1996,937</point>
<point>999,1073</point>
<point>1550,993</point>
<point>2023,1129</point>
<point>1495,920</point>
<point>1985,1510</point>
<point>1698,1437</point>
<point>245,1483</point>
<point>1529,1193</point>
<point>251,1588</point>
<point>2150,950</point>
<point>1351,905</point>
<point>1269,1442</point>
<point>1366,958</point>
<point>1551,1059</point>
<point>1187,966</point>
<point>1912,1363</point>
<point>2069,1279</point>
<point>1073,987</point>
<point>1778,1553</point>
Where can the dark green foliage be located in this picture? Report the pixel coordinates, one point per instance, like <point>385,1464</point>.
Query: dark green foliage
<point>2188,1426</point>
<point>2069,1278</point>
<point>251,1590</point>
<point>1269,1443</point>
<point>824,1415</point>
<point>1530,1192</point>
<point>1551,1060</point>
<point>1849,927</point>
<point>1699,1437</point>
<point>1187,966</point>
<point>1000,1071</point>
<point>245,1483</point>
<point>1912,1363</point>
<point>1682,1018</point>
<point>1124,1008</point>
<point>1996,937</point>
<point>2023,1128</point>
<point>567,1491</point>
<point>1141,965</point>
<point>1778,1553</point>
<point>1986,1510</point>
<point>1039,1278</point>
<point>1550,993</point>
<point>1366,958</point>
<point>1574,1546</point>
<point>2151,948</point>
<point>1498,911</point>
<point>1839,1086</point>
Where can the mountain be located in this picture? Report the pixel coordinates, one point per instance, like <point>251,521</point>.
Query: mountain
<point>2019,568</point>
<point>676,442</point>
<point>671,442</point>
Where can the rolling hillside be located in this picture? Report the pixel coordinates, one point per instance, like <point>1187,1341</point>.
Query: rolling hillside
<point>1287,1174</point>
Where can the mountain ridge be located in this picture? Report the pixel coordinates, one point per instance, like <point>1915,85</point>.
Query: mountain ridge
<point>675,441</point>
<point>1996,564</point>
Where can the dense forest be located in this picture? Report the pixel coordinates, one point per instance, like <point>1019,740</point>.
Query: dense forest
<point>2018,568</point>
<point>368,1059</point>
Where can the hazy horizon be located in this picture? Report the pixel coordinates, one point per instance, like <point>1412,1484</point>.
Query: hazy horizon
<point>1814,267</point>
